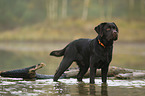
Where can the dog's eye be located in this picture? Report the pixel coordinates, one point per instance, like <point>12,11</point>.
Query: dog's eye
<point>108,29</point>
<point>114,28</point>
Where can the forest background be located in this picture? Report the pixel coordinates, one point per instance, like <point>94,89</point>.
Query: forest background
<point>66,20</point>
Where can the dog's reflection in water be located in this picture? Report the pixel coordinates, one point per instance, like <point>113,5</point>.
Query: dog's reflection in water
<point>104,91</point>
<point>92,89</point>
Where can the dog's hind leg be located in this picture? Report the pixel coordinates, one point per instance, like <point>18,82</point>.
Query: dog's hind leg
<point>65,63</point>
<point>83,70</point>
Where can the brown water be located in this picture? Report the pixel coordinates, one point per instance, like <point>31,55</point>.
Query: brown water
<point>20,55</point>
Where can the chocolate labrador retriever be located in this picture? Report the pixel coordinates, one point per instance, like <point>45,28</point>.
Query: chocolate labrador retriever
<point>94,53</point>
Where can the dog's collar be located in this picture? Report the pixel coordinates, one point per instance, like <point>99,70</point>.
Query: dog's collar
<point>101,43</point>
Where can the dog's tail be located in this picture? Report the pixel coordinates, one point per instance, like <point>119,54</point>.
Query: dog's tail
<point>58,53</point>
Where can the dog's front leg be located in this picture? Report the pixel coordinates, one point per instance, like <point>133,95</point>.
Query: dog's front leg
<point>104,72</point>
<point>92,74</point>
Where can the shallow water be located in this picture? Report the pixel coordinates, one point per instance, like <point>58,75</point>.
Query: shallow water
<point>16,55</point>
<point>70,87</point>
<point>21,55</point>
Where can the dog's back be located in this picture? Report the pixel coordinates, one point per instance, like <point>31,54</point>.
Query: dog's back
<point>79,46</point>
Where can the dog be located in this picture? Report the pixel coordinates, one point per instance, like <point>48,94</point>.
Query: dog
<point>94,53</point>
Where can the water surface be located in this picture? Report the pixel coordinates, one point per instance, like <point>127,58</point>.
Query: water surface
<point>20,55</point>
<point>70,87</point>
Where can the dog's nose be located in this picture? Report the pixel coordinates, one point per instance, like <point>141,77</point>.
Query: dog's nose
<point>114,32</point>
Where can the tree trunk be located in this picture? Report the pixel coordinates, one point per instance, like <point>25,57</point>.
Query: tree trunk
<point>55,2</point>
<point>109,12</point>
<point>30,73</point>
<point>51,9</point>
<point>85,10</point>
<point>101,4</point>
<point>64,9</point>
<point>142,8</point>
<point>47,9</point>
<point>131,6</point>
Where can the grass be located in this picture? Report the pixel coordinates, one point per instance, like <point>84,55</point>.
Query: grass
<point>68,30</point>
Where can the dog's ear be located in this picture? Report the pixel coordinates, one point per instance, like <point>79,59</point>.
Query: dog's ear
<point>116,27</point>
<point>99,29</point>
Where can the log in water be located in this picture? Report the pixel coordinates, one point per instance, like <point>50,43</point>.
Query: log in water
<point>30,73</point>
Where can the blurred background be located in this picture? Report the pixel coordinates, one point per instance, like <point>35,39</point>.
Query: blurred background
<point>31,29</point>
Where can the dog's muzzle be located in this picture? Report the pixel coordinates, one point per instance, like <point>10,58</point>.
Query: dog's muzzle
<point>115,35</point>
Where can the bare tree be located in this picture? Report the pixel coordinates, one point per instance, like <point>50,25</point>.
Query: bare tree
<point>51,8</point>
<point>85,10</point>
<point>64,9</point>
<point>101,4</point>
<point>55,3</point>
<point>109,12</point>
<point>142,8</point>
<point>47,9</point>
<point>131,7</point>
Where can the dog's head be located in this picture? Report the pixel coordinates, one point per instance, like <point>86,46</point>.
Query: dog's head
<point>108,31</point>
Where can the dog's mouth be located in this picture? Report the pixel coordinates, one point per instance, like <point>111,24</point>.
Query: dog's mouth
<point>115,36</point>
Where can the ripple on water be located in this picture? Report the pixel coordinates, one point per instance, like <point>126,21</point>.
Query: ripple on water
<point>47,86</point>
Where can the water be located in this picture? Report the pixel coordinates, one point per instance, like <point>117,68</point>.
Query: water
<point>21,55</point>
<point>70,87</point>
